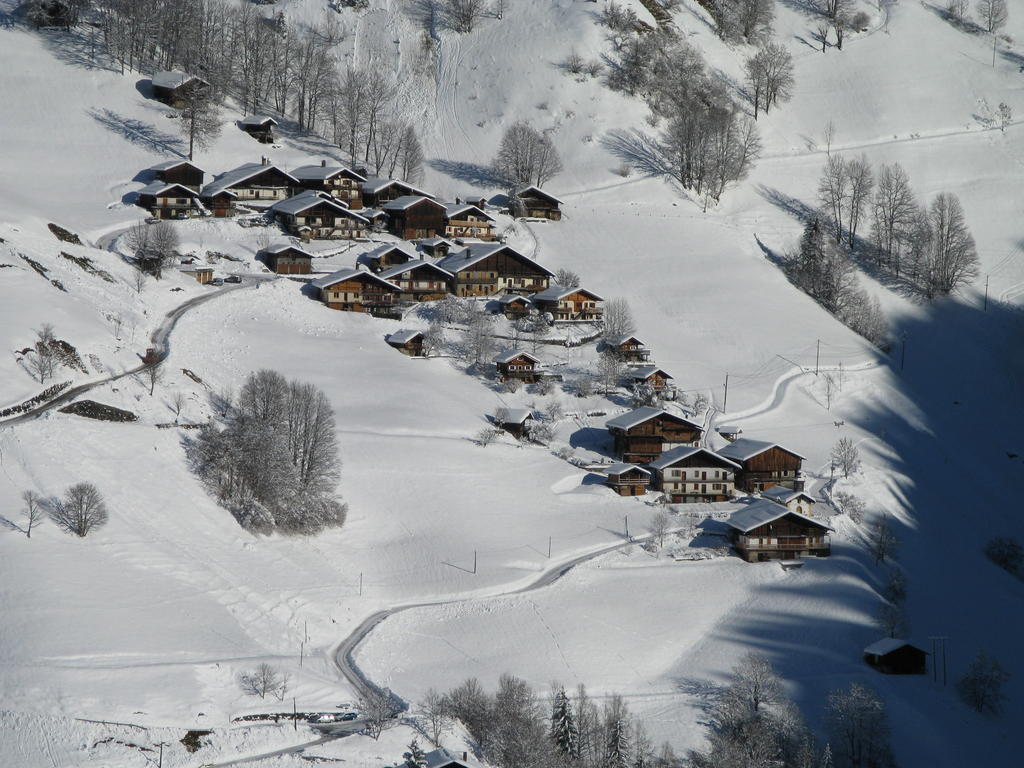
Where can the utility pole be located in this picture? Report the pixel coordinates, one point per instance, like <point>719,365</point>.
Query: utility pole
<point>549,547</point>
<point>725,400</point>
<point>360,583</point>
<point>295,716</point>
<point>474,561</point>
<point>985,306</point>
<point>817,357</point>
<point>903,349</point>
<point>840,375</point>
<point>302,648</point>
<point>938,643</point>
<point>625,522</point>
<point>160,764</point>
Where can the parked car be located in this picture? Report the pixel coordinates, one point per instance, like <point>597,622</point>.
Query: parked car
<point>217,281</point>
<point>232,279</point>
<point>350,716</point>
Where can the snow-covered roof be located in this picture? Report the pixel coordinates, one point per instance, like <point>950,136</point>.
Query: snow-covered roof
<point>169,164</point>
<point>173,79</point>
<point>374,185</point>
<point>467,257</point>
<point>782,495</point>
<point>403,336</point>
<point>322,172</point>
<point>533,188</point>
<point>763,511</point>
<point>886,645</point>
<point>618,469</point>
<point>640,415</point>
<point>403,248</point>
<point>439,758</point>
<point>398,269</point>
<point>729,430</point>
<point>432,242</point>
<point>158,187</point>
<point>745,448</point>
<point>240,175</point>
<point>684,452</point>
<point>299,203</point>
<point>622,338</point>
<point>347,274</point>
<point>517,415</point>
<point>282,247</point>
<point>556,292</point>
<point>256,121</point>
<point>406,201</point>
<point>511,354</point>
<point>451,210</point>
<point>646,371</point>
<point>510,298</point>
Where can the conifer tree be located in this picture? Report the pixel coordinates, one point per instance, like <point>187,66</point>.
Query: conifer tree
<point>564,732</point>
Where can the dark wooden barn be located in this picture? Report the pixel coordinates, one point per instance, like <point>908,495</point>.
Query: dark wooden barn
<point>179,172</point>
<point>287,259</point>
<point>896,657</point>
<point>413,216</point>
<point>764,465</point>
<point>644,434</point>
<point>765,530</point>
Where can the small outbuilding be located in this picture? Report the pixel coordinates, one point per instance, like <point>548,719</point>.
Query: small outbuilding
<point>445,758</point>
<point>730,433</point>
<point>651,375</point>
<point>408,342</point>
<point>533,202</point>
<point>893,656</point>
<point>260,127</point>
<point>626,347</point>
<point>628,479</point>
<point>174,88</point>
<point>287,259</point>
<point>515,421</point>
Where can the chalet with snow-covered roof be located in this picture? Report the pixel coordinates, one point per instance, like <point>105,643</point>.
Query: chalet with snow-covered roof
<point>317,215</point>
<point>651,375</point>
<point>569,305</point>
<point>515,421</point>
<point>445,758</point>
<point>389,255</point>
<point>407,342</point>
<point>168,201</point>
<point>260,127</point>
<point>796,501</point>
<point>764,530</point>
<point>764,464</point>
<point>644,434</point>
<point>485,269</point>
<point>690,474</point>
<point>894,656</point>
<point>182,172</point>
<point>627,479</point>
<point>339,182</point>
<point>467,220</point>
<point>419,280</point>
<point>355,290</point>
<point>514,306</point>
<point>436,247</point>
<point>730,433</point>
<point>287,259</point>
<point>533,202</point>
<point>626,347</point>
<point>252,183</point>
<point>173,88</point>
<point>377,192</point>
<point>414,216</point>
<point>517,364</point>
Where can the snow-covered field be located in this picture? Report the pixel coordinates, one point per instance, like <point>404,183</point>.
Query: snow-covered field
<point>149,620</point>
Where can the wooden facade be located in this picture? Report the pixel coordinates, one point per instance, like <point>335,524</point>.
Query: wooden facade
<point>201,275</point>
<point>785,538</point>
<point>577,305</point>
<point>388,256</point>
<point>517,365</point>
<point>288,260</point>
<point>764,465</point>
<point>220,204</point>
<point>629,349</point>
<point>168,201</point>
<point>694,475</point>
<point>533,202</point>
<point>174,88</point>
<point>407,342</point>
<point>485,270</point>
<point>514,306</point>
<point>437,247</point>
<point>184,173</point>
<point>645,434</point>
<point>628,479</point>
<point>468,221</point>
<point>419,281</point>
<point>358,291</point>
<point>339,182</point>
<point>412,218</point>
<point>316,217</point>
<point>655,378</point>
<point>260,127</point>
<point>378,192</point>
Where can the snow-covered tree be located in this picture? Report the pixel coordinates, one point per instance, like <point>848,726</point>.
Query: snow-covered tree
<point>845,456</point>
<point>859,728</point>
<point>881,539</point>
<point>436,715</point>
<point>660,525</point>
<point>415,757</point>
<point>567,278</point>
<point>564,733</point>
<point>616,726</point>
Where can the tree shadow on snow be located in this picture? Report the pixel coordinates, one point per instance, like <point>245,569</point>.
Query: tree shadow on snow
<point>139,133</point>
<point>81,46</point>
<point>471,173</point>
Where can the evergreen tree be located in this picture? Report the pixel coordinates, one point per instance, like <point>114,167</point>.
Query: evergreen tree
<point>617,749</point>
<point>564,732</point>
<point>416,757</point>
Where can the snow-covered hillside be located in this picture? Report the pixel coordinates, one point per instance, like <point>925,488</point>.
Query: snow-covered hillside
<point>150,619</point>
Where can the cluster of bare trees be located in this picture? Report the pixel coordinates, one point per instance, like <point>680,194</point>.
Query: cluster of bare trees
<point>740,21</point>
<point>42,359</point>
<point>274,463</point>
<point>931,248</point>
<point>770,76</point>
<point>838,16</point>
<point>153,246</point>
<point>526,156</point>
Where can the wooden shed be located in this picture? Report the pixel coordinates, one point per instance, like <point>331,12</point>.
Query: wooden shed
<point>182,172</point>
<point>408,342</point>
<point>260,127</point>
<point>627,479</point>
<point>173,87</point>
<point>533,202</point>
<point>287,259</point>
<point>652,375</point>
<point>626,347</point>
<point>896,657</point>
<point>515,421</point>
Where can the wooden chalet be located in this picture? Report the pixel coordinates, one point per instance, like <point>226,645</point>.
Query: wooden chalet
<point>387,256</point>
<point>569,305</point>
<point>515,421</point>
<point>485,269</point>
<point>173,87</point>
<point>436,247</point>
<point>355,290</point>
<point>168,201</point>
<point>407,342</point>
<point>468,220</point>
<point>220,203</point>
<point>795,501</point>
<point>651,375</point>
<point>644,434</point>
<point>534,203</point>
<point>287,259</point>
<point>893,656</point>
<point>377,192</point>
<point>338,181</point>
<point>627,479</point>
<point>517,364</point>
<point>690,474</point>
<point>179,172</point>
<point>514,306</point>
<point>764,530</point>
<point>764,465</point>
<point>730,433</point>
<point>414,216</point>
<point>445,758</point>
<point>251,183</point>
<point>628,348</point>
<point>260,127</point>
<point>419,280</point>
<point>318,216</point>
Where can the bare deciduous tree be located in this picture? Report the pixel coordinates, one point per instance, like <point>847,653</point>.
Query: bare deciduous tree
<point>463,15</point>
<point>954,257</point>
<point>176,403</point>
<point>264,681</point>
<point>834,192</point>
<point>881,540</point>
<point>981,686</point>
<point>770,75</point>
<point>845,456</point>
<point>892,215</point>
<point>81,511</point>
<point>618,319</point>
<point>526,156</point>
<point>567,278</point>
<point>858,727</point>
<point>200,119</point>
<point>861,181</point>
<point>660,525</point>
<point>34,511</point>
<point>42,360</point>
<point>609,372</point>
<point>436,715</point>
<point>379,709</point>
